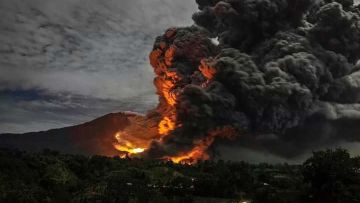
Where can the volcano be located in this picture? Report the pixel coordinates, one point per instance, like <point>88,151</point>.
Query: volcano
<point>280,76</point>
<point>96,137</point>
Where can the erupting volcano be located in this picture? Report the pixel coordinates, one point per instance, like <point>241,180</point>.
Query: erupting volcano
<point>281,72</point>
<point>280,76</point>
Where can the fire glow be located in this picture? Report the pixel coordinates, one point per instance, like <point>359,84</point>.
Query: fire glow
<point>197,153</point>
<point>264,79</point>
<point>166,125</point>
<point>126,147</point>
<point>166,82</point>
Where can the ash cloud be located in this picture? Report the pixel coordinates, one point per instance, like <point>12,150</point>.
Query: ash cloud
<point>284,76</point>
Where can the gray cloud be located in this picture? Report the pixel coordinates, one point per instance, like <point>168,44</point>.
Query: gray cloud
<point>23,115</point>
<point>85,47</point>
<point>95,50</point>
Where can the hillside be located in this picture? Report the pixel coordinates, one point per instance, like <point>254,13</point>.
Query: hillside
<point>94,137</point>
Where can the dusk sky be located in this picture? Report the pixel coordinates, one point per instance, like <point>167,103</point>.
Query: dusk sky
<point>64,62</point>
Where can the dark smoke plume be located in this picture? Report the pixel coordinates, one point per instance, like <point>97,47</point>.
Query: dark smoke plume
<point>284,76</point>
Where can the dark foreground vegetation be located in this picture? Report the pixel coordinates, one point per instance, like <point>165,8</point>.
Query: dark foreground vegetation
<point>327,176</point>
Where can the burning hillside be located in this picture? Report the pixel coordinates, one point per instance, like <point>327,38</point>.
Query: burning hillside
<point>92,138</point>
<point>284,73</point>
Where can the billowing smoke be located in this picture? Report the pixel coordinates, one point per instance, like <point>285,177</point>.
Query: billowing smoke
<point>283,77</point>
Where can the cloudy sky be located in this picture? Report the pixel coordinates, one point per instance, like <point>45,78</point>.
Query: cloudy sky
<point>64,62</point>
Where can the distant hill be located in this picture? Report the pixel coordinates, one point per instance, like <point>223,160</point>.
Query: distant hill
<point>94,137</point>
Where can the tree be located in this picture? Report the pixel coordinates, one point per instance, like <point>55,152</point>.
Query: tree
<point>333,176</point>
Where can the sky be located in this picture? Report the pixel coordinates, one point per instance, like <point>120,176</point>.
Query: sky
<point>65,62</point>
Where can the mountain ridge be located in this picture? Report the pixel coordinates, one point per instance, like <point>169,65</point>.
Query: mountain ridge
<point>94,137</point>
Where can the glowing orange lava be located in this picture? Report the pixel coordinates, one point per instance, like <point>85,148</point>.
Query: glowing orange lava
<point>194,155</point>
<point>199,151</point>
<point>207,69</point>
<point>169,55</point>
<point>166,125</point>
<point>127,147</point>
<point>165,88</point>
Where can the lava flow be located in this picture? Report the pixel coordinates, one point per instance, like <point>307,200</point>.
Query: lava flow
<point>195,154</point>
<point>126,147</point>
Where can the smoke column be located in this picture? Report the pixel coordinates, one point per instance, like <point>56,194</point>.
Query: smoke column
<point>274,75</point>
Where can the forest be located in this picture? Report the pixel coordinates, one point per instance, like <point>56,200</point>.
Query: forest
<point>49,176</point>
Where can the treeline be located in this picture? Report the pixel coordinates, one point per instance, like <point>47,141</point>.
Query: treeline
<point>327,176</point>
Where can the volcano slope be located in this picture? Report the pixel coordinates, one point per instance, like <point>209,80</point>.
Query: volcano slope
<point>92,138</point>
